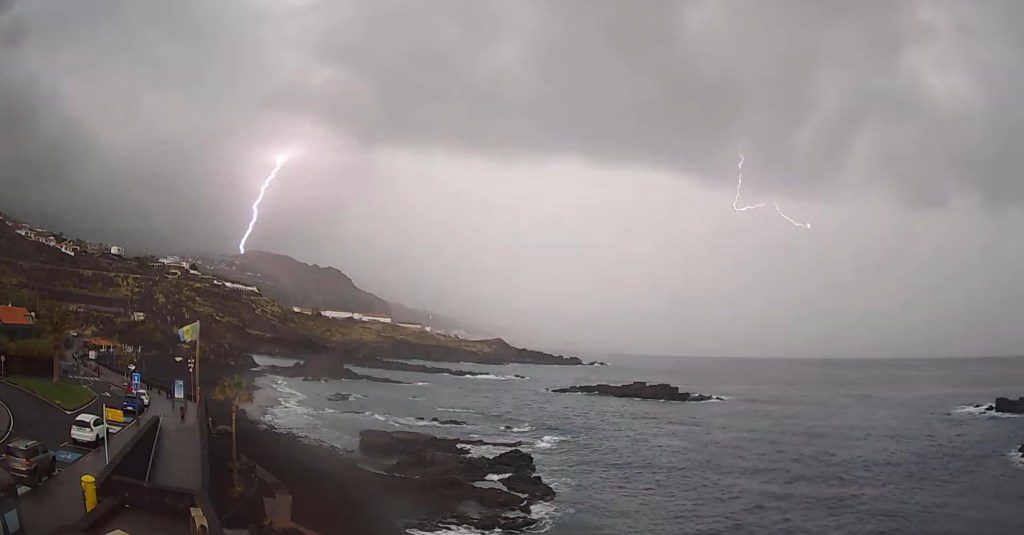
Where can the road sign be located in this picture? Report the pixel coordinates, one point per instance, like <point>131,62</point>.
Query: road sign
<point>111,414</point>
<point>179,389</point>
<point>136,378</point>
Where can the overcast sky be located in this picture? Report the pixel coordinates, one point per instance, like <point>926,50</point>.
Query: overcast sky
<point>561,173</point>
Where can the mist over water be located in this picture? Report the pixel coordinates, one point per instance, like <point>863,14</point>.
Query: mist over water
<point>822,446</point>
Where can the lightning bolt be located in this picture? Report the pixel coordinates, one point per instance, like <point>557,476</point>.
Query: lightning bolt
<point>281,158</point>
<point>787,218</point>
<point>746,208</point>
<point>739,185</point>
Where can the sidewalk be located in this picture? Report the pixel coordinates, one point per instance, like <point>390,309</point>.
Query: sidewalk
<point>178,460</point>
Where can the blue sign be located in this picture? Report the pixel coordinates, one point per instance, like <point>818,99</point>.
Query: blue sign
<point>66,456</point>
<point>179,389</point>
<point>136,378</point>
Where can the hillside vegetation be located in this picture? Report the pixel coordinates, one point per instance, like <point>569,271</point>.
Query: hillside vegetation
<point>235,322</point>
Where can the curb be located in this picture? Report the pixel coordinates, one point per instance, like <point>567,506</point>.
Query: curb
<point>52,404</point>
<point>10,416</point>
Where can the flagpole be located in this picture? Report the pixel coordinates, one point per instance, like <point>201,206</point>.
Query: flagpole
<point>106,447</point>
<point>198,333</point>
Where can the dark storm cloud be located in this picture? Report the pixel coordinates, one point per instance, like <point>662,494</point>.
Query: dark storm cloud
<point>919,96</point>
<point>559,171</point>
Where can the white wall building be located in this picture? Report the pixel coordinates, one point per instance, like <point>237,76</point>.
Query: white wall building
<point>338,314</point>
<point>375,317</point>
<point>117,250</point>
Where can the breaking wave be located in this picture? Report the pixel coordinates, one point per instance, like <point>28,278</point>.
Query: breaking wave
<point>978,410</point>
<point>1016,458</point>
<point>549,441</point>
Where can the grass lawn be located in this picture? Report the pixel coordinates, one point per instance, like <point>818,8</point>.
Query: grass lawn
<point>67,396</point>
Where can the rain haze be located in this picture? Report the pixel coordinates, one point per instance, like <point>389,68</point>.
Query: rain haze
<point>558,173</point>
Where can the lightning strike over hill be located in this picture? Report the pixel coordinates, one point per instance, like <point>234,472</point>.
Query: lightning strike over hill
<point>749,207</point>
<point>280,160</point>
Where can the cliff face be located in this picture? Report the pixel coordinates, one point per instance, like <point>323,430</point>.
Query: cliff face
<point>295,283</point>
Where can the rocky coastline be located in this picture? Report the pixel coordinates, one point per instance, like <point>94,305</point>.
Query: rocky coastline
<point>639,390</point>
<point>1009,406</point>
<point>502,488</point>
<point>1004,406</point>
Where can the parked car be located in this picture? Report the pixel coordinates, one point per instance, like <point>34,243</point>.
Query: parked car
<point>88,428</point>
<point>144,396</point>
<point>29,459</point>
<point>132,402</point>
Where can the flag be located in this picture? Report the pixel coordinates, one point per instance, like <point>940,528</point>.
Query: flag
<point>189,333</point>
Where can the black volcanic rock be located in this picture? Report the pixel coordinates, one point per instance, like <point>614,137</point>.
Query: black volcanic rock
<point>1010,406</point>
<point>440,465</point>
<point>339,396</point>
<point>639,390</point>
<point>442,422</point>
<point>531,486</point>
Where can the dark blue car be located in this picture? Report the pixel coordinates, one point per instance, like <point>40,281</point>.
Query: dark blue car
<point>132,403</point>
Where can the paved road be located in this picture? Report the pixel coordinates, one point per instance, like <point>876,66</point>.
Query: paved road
<point>37,419</point>
<point>58,501</point>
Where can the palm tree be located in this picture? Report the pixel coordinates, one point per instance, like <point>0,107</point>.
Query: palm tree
<point>236,390</point>
<point>56,324</point>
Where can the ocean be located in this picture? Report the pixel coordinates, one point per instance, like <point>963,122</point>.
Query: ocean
<point>798,445</point>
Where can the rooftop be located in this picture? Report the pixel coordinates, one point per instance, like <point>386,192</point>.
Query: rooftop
<point>15,316</point>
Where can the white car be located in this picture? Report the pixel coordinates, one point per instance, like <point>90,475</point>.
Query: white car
<point>88,428</point>
<point>144,396</point>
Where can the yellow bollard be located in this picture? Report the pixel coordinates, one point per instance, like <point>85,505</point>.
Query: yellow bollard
<point>89,490</point>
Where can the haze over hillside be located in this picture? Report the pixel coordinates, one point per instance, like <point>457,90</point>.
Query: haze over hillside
<point>296,283</point>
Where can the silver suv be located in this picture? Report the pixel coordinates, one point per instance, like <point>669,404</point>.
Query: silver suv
<point>29,459</point>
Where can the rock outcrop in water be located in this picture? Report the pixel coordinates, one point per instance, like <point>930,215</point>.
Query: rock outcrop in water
<point>639,390</point>
<point>1009,405</point>
<point>440,464</point>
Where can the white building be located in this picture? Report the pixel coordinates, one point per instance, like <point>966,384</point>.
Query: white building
<point>415,326</point>
<point>374,317</point>
<point>117,250</point>
<point>242,287</point>
<point>338,314</point>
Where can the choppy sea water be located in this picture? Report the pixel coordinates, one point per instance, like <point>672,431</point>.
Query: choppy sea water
<point>799,446</point>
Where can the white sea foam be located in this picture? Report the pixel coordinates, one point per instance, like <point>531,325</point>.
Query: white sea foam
<point>453,530</point>
<point>496,477</point>
<point>446,409</point>
<point>971,410</point>
<point>520,429</point>
<point>549,441</point>
<point>479,450</point>
<point>1016,458</point>
<point>489,376</point>
<point>267,361</point>
<point>399,421</point>
<point>545,514</point>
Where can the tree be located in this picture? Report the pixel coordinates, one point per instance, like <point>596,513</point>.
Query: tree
<point>235,389</point>
<point>56,324</point>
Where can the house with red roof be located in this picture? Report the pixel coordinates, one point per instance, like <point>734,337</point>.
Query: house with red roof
<point>17,323</point>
